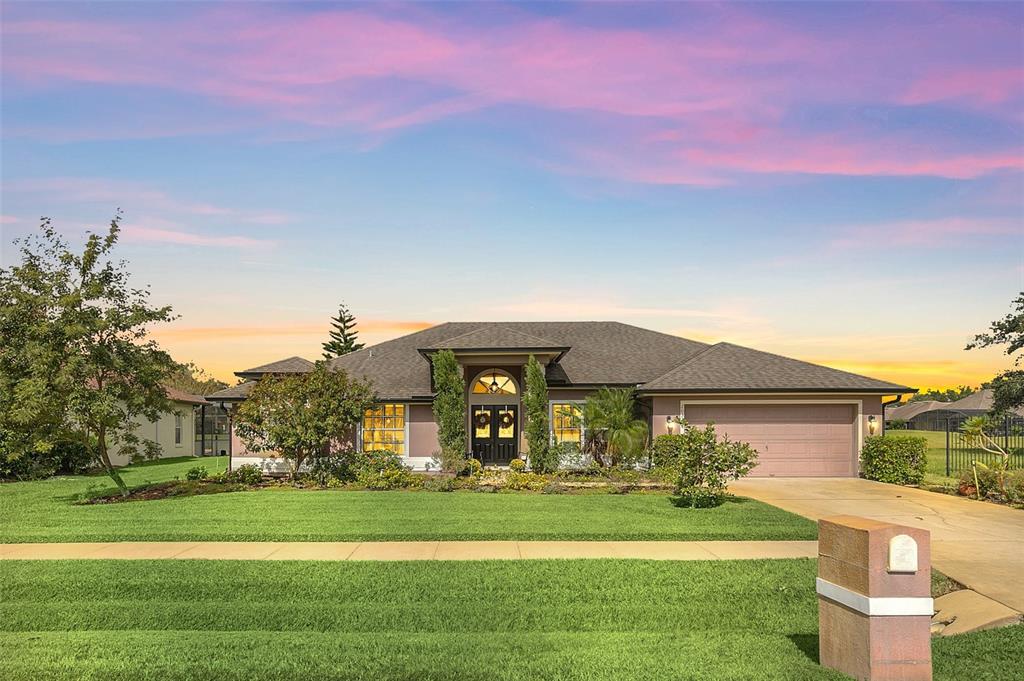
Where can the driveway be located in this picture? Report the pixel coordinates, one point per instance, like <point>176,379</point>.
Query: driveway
<point>980,545</point>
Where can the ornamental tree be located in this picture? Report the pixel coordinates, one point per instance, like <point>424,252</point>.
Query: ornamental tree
<point>343,335</point>
<point>450,410</point>
<point>535,407</point>
<point>302,415</point>
<point>1007,387</point>
<point>78,358</point>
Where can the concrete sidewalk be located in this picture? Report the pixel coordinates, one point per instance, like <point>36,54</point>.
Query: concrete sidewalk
<point>414,550</point>
<point>980,545</point>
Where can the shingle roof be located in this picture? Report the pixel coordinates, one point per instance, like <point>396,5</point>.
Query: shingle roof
<point>235,392</point>
<point>980,400</point>
<point>291,365</point>
<point>495,338</point>
<point>905,412</point>
<point>599,353</point>
<point>182,396</point>
<point>727,367</point>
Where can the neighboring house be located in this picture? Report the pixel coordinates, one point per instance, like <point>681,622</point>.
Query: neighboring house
<point>174,431</point>
<point>933,415</point>
<point>804,419</point>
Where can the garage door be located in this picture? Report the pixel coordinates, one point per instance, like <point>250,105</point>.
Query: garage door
<point>792,440</point>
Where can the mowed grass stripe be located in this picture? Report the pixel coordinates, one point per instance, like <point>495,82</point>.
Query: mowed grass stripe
<point>263,656</point>
<point>43,511</point>
<point>586,620</point>
<point>498,596</point>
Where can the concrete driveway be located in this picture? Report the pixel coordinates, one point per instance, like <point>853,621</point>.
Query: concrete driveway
<point>980,545</point>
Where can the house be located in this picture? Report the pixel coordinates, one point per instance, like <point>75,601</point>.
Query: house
<point>174,431</point>
<point>804,419</point>
<point>933,415</point>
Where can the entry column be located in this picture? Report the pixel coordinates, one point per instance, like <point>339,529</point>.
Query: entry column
<point>874,599</point>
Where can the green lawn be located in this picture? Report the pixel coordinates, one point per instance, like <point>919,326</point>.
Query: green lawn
<point>598,619</point>
<point>44,511</point>
<point>936,452</point>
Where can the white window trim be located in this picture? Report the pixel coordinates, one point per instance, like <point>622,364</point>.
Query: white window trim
<point>551,418</point>
<point>407,444</point>
<point>858,444</point>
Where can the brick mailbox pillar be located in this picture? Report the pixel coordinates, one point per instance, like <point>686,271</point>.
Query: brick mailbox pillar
<point>874,599</point>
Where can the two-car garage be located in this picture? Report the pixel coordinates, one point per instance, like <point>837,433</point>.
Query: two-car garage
<point>792,439</point>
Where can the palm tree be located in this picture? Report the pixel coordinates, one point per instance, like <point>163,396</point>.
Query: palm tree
<point>614,432</point>
<point>975,435</point>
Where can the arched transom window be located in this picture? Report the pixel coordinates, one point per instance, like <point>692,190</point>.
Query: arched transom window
<point>494,382</point>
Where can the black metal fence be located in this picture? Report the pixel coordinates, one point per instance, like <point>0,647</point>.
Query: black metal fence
<point>962,451</point>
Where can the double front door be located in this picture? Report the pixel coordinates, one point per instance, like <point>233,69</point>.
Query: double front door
<point>494,434</point>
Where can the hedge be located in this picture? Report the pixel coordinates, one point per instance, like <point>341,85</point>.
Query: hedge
<point>897,460</point>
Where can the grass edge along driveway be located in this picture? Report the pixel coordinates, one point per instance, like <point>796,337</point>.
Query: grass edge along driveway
<point>44,511</point>
<point>604,619</point>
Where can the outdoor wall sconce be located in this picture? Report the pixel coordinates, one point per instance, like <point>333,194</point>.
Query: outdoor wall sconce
<point>872,424</point>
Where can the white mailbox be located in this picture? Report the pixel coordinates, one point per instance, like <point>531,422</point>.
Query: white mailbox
<point>902,554</point>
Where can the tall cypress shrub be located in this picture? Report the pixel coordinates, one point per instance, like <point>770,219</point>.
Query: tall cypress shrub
<point>543,459</point>
<point>450,410</point>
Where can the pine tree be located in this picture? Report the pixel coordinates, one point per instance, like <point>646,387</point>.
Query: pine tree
<point>344,337</point>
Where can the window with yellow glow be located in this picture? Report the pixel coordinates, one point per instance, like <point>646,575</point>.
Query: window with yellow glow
<point>566,422</point>
<point>384,428</point>
<point>494,383</point>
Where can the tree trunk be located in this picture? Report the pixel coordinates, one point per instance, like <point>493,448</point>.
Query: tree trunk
<point>299,458</point>
<point>101,434</point>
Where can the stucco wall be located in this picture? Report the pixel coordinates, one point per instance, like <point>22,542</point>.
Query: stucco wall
<point>161,431</point>
<point>422,431</point>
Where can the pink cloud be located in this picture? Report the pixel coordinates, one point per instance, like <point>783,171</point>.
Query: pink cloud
<point>160,234</point>
<point>694,102</point>
<point>8,220</point>
<point>129,195</point>
<point>925,233</point>
<point>984,86</point>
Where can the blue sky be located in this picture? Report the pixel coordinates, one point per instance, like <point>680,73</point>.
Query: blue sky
<point>840,183</point>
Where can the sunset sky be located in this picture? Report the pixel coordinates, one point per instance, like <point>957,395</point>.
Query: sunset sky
<point>839,183</point>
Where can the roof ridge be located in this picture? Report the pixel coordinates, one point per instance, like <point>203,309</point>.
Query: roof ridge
<point>686,361</point>
<point>801,361</point>
<point>491,326</point>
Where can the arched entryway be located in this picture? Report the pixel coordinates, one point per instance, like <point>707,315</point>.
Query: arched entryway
<point>494,417</point>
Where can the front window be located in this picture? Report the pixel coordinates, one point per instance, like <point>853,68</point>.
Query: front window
<point>567,422</point>
<point>384,428</point>
<point>494,382</point>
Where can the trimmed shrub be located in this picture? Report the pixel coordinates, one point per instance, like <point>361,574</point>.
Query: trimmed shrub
<point>521,481</point>
<point>385,478</point>
<point>568,456</point>
<point>896,460</point>
<point>68,456</point>
<point>196,473</point>
<point>338,467</point>
<point>383,470</point>
<point>474,468</point>
<point>666,450</point>
<point>698,497</point>
<point>249,474</point>
<point>517,465</point>
<point>1015,487</point>
<point>438,484</point>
